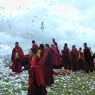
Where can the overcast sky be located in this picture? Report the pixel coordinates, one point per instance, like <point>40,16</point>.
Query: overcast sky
<point>71,21</point>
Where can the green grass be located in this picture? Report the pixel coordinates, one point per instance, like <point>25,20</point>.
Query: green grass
<point>78,83</point>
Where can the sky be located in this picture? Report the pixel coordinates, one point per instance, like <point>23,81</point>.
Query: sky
<point>68,21</point>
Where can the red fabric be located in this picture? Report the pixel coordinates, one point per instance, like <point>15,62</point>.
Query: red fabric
<point>65,49</point>
<point>39,75</point>
<point>35,46</point>
<point>20,52</point>
<point>42,53</point>
<point>74,52</point>
<point>66,52</point>
<point>66,58</point>
<point>17,66</point>
<point>80,65</point>
<point>47,67</point>
<point>80,54</point>
<point>56,59</point>
<point>17,62</point>
<point>36,69</point>
<point>74,59</point>
<point>33,60</point>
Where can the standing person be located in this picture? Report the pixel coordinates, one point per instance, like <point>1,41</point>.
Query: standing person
<point>80,65</point>
<point>42,49</point>
<point>89,65</point>
<point>36,84</point>
<point>17,58</point>
<point>65,57</point>
<point>55,44</point>
<point>56,55</point>
<point>74,58</point>
<point>34,45</point>
<point>48,69</point>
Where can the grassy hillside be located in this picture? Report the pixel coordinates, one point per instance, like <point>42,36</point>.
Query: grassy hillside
<point>77,83</point>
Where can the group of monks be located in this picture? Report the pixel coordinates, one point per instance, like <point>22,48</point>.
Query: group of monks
<point>42,59</point>
<point>78,59</point>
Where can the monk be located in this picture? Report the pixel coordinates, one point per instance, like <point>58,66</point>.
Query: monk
<point>80,65</point>
<point>42,49</point>
<point>34,45</point>
<point>74,58</point>
<point>36,84</point>
<point>17,58</point>
<point>89,64</point>
<point>65,57</point>
<point>48,69</point>
<point>56,56</point>
<point>55,44</point>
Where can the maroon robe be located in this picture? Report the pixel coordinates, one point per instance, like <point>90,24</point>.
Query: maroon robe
<point>80,65</point>
<point>56,57</point>
<point>42,53</point>
<point>36,84</point>
<point>35,46</point>
<point>65,58</point>
<point>47,68</point>
<point>74,59</point>
<point>17,61</point>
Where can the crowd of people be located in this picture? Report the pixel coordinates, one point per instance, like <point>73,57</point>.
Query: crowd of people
<point>42,59</point>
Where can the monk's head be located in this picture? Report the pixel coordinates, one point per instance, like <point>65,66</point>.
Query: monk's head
<point>46,46</point>
<point>80,49</point>
<point>33,41</point>
<point>65,45</point>
<point>41,46</point>
<point>16,44</point>
<point>74,46</point>
<point>85,45</point>
<point>32,52</point>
